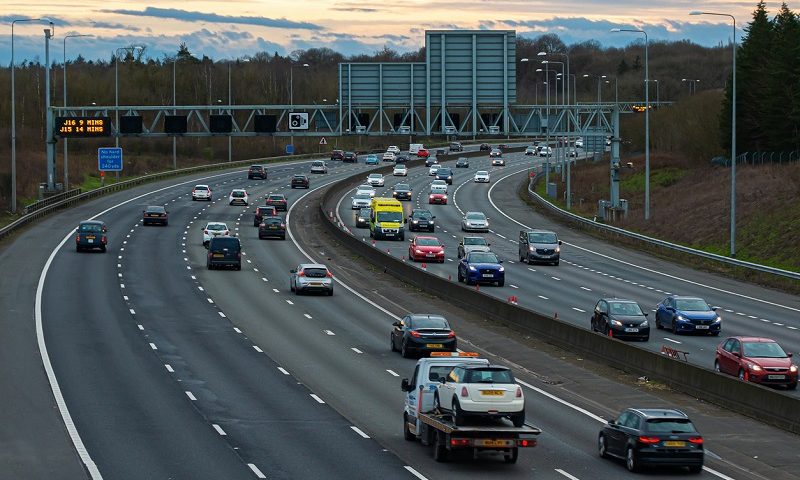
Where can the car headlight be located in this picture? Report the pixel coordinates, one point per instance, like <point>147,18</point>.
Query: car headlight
<point>531,248</point>
<point>643,324</point>
<point>471,268</point>
<point>430,221</point>
<point>681,318</point>
<point>418,251</point>
<point>616,323</point>
<point>415,221</point>
<point>444,196</point>
<point>754,367</point>
<point>793,369</point>
<point>501,269</point>
<point>558,249</point>
<point>718,319</point>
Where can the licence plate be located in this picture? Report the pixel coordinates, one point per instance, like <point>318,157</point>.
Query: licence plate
<point>495,443</point>
<point>434,345</point>
<point>388,234</point>
<point>488,275</point>
<point>154,215</point>
<point>776,377</point>
<point>273,227</point>
<point>701,327</point>
<point>218,255</point>
<point>90,240</point>
<point>674,444</point>
<point>632,330</point>
<point>430,255</point>
<point>492,393</point>
<point>315,284</point>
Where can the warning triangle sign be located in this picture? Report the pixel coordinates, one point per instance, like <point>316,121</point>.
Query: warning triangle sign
<point>322,141</point>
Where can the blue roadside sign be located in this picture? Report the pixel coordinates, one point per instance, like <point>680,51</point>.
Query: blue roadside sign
<point>289,149</point>
<point>109,159</point>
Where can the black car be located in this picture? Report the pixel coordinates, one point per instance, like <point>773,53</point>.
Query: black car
<point>652,436</point>
<point>430,161</point>
<point>277,200</point>
<point>300,181</point>
<point>272,226</point>
<point>620,318</point>
<point>155,214</point>
<point>337,155</point>
<point>420,220</point>
<point>446,174</point>
<point>441,151</point>
<point>456,147</point>
<point>462,163</point>
<point>402,191</point>
<point>484,146</point>
<point>91,234</point>
<point>350,157</point>
<point>224,252</point>
<point>422,333</point>
<point>257,171</point>
<point>261,212</point>
<point>362,217</point>
<point>503,146</point>
<point>401,158</point>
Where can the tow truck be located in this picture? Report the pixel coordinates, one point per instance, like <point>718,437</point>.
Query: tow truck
<point>434,428</point>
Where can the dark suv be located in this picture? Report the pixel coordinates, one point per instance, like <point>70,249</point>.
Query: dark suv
<point>446,174</point>
<point>350,157</point>
<point>272,226</point>
<point>300,181</point>
<point>421,219</point>
<point>337,155</point>
<point>539,246</point>
<point>91,234</point>
<point>224,252</point>
<point>257,171</point>
<point>261,212</point>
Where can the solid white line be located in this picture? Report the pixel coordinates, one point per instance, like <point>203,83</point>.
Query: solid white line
<point>578,310</point>
<point>563,402</point>
<point>319,400</point>
<point>255,347</point>
<point>307,316</point>
<point>719,474</point>
<point>393,373</point>
<point>169,368</point>
<point>153,346</point>
<point>671,340</point>
<point>190,395</point>
<point>358,431</point>
<point>221,314</point>
<point>356,350</point>
<point>283,370</point>
<point>256,471</point>
<point>562,472</point>
<point>219,429</point>
<point>415,473</point>
<point>237,330</point>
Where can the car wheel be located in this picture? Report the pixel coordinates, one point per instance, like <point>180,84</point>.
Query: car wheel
<point>521,258</point>
<point>391,343</point>
<point>715,334</point>
<point>716,366</point>
<point>103,249</point>
<point>695,469</point>
<point>501,283</point>
<point>742,375</point>
<point>406,432</point>
<point>458,414</point>
<point>673,327</point>
<point>631,463</point>
<point>330,292</point>
<point>518,419</point>
<point>239,267</point>
<point>602,447</point>
<point>403,350</point>
<point>78,248</point>
<point>792,386</point>
<point>556,263</point>
<point>658,324</point>
<point>511,456</point>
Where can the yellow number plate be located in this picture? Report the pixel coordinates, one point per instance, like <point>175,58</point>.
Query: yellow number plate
<point>219,255</point>
<point>674,444</point>
<point>493,393</point>
<point>496,443</point>
<point>434,345</point>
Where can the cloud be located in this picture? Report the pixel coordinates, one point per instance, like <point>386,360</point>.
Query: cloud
<point>357,9</point>
<point>191,16</point>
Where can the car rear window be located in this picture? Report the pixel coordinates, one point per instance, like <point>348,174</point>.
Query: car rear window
<point>315,272</point>
<point>237,194</point>
<point>91,227</point>
<point>265,210</point>
<point>430,322</point>
<point>670,425</point>
<point>223,242</point>
<point>273,220</point>
<point>489,375</point>
<point>155,209</point>
<point>201,187</point>
<point>276,197</point>
<point>216,226</point>
<point>438,372</point>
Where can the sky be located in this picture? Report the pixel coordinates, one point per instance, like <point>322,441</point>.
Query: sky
<point>239,28</point>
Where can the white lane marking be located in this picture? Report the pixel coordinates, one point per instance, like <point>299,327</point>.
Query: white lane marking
<point>578,310</point>
<point>512,285</point>
<point>219,429</point>
<point>193,277</point>
<point>235,329</point>
<point>169,368</point>
<point>671,340</point>
<point>125,297</point>
<point>555,278</point>
<point>356,350</point>
<point>587,289</point>
<point>765,320</point>
<point>190,395</point>
<point>153,346</point>
<point>751,316</point>
<point>358,431</point>
<point>256,471</point>
<point>543,297</point>
<point>262,278</point>
<point>141,327</point>
<point>414,472</point>
<point>793,328</point>
<point>283,370</point>
<point>328,332</point>
<point>289,302</point>
<point>719,474</point>
<point>728,310</point>
<point>255,269</point>
<point>201,289</point>
<point>255,347</point>
<point>562,472</point>
<point>393,373</point>
<point>276,290</point>
<point>121,285</point>
<point>532,269</point>
<point>221,314</point>
<point>563,402</point>
<point>740,313</point>
<point>319,400</point>
<point>778,324</point>
<point>307,316</point>
<point>209,300</point>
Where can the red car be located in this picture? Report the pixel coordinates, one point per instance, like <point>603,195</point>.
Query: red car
<point>437,197</point>
<point>756,359</point>
<point>423,153</point>
<point>426,248</point>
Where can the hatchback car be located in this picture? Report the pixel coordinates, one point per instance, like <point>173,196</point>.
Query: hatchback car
<point>462,162</point>
<point>261,212</point>
<point>90,235</point>
<point>238,196</point>
<point>389,156</point>
<point>277,200</point>
<point>359,201</point>
<point>421,220</point>
<point>481,267</point>
<point>481,176</point>
<point>155,215</point>
<point>422,333</point>
<point>445,174</point>
<point>311,277</point>
<point>376,179</point>
<point>545,151</point>
<point>652,437</point>
<point>430,161</point>
<point>531,150</point>
<point>401,158</point>
<point>400,170</point>
<point>213,230</point>
<point>472,244</point>
<point>272,226</point>
<point>539,246</point>
<point>688,315</point>
<point>438,194</point>
<point>257,171</point>
<point>495,153</point>
<point>423,153</point>
<point>456,147</point>
<point>474,222</point>
<point>319,166</point>
<point>367,189</point>
<point>620,318</point>
<point>300,181</point>
<point>402,191</point>
<point>362,217</point>
<point>393,149</point>
<point>350,157</point>
<point>371,159</point>
<point>579,143</point>
<point>224,252</point>
<point>484,147</point>
<point>498,162</point>
<point>201,192</point>
<point>758,360</point>
<point>424,248</point>
<point>433,169</point>
<point>475,390</point>
<point>337,155</point>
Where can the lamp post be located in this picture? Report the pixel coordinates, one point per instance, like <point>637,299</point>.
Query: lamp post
<point>733,130</point>
<point>130,49</point>
<point>291,94</point>
<point>559,150</point>
<point>66,157</point>
<point>692,85</point>
<point>646,121</point>
<point>547,133</point>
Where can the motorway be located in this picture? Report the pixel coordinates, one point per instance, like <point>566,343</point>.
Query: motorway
<point>168,370</point>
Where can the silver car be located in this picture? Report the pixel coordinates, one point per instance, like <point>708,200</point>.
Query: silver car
<point>360,200</point>
<point>311,277</point>
<point>475,222</point>
<point>319,166</point>
<point>472,244</point>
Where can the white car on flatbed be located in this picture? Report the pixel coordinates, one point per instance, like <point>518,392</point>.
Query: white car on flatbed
<point>481,391</point>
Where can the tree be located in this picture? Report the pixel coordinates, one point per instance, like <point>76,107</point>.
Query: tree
<point>637,64</point>
<point>780,108</point>
<point>623,67</point>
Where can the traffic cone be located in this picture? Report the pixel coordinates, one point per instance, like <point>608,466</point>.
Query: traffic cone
<point>555,316</point>
<point>449,278</point>
<point>424,266</point>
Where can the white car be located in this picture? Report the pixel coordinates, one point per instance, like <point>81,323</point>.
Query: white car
<point>474,222</point>
<point>393,149</point>
<point>214,229</point>
<point>579,143</point>
<point>319,166</point>
<point>375,179</point>
<point>495,152</point>
<point>360,200</point>
<point>545,151</point>
<point>481,176</point>
<point>572,152</point>
<point>238,195</point>
<point>365,189</point>
<point>498,162</point>
<point>201,192</point>
<point>481,391</point>
<point>434,168</point>
<point>439,184</point>
<point>389,157</point>
<point>400,171</point>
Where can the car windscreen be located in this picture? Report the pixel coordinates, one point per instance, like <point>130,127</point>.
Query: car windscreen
<point>299,177</point>
<point>423,215</point>
<point>474,241</point>
<point>476,216</point>
<point>763,350</point>
<point>438,372</point>
<point>430,322</point>
<point>488,375</point>
<point>482,173</point>
<point>624,308</point>
<point>428,242</point>
<point>483,257</point>
<point>395,217</point>
<point>216,226</point>
<point>375,176</point>
<point>444,171</point>
<point>222,242</point>
<point>364,212</point>
<point>314,272</point>
<point>542,238</point>
<point>91,227</point>
<point>691,304</point>
<point>670,425</point>
<point>402,186</point>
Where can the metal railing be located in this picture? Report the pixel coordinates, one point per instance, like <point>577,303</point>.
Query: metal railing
<point>51,200</point>
<point>654,241</point>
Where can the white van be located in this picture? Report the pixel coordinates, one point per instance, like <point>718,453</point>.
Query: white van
<point>414,148</point>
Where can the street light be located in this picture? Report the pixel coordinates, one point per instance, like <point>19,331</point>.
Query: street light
<point>130,49</point>
<point>291,94</point>
<point>547,132</point>
<point>657,95</point>
<point>66,157</point>
<point>733,131</point>
<point>14,115</point>
<point>692,85</point>
<point>646,120</point>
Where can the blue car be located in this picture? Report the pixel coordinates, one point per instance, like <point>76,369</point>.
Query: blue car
<point>372,160</point>
<point>481,267</point>
<point>688,315</point>
<point>90,235</point>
